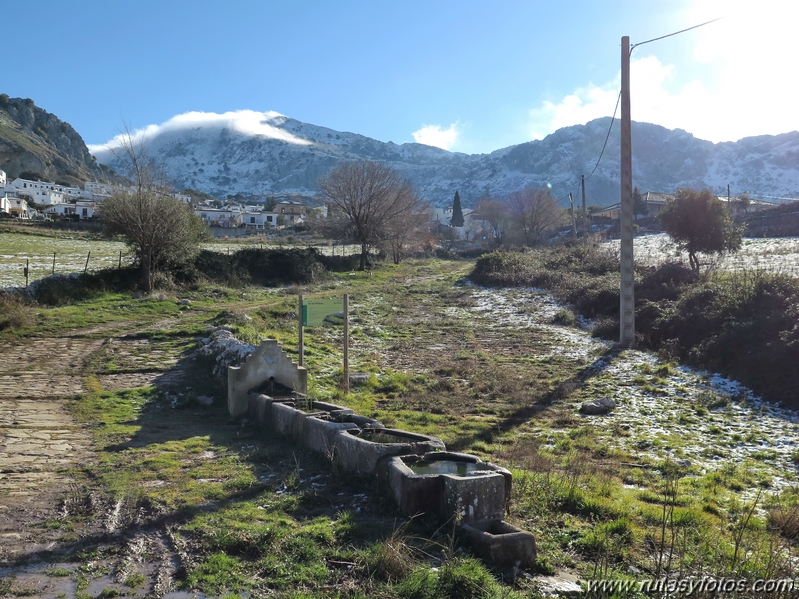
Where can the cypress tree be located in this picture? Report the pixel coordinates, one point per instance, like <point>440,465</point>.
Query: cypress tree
<point>457,212</point>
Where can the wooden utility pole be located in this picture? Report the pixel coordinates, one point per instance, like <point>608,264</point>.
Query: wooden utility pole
<point>574,220</point>
<point>585,213</point>
<point>627,291</point>
<point>301,348</point>
<point>346,343</point>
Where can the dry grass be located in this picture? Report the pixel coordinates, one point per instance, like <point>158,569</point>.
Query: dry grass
<point>16,312</point>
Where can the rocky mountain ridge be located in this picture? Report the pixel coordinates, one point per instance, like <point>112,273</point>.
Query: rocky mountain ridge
<point>34,141</point>
<point>284,156</point>
<point>291,156</point>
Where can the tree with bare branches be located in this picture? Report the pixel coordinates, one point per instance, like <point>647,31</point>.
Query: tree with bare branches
<point>495,216</point>
<point>371,204</point>
<point>160,229</point>
<point>534,212</point>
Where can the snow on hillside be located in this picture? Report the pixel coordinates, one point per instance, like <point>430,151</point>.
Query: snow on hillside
<point>268,153</point>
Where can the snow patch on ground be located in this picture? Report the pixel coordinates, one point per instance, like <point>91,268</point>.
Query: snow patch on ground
<point>700,419</point>
<point>771,254</point>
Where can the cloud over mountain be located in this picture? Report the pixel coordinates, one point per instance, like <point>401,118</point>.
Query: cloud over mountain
<point>270,154</point>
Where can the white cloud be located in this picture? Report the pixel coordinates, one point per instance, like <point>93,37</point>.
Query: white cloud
<point>434,135</point>
<point>751,89</point>
<point>266,124</point>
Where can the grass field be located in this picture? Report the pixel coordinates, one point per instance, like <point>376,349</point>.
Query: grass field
<point>690,474</point>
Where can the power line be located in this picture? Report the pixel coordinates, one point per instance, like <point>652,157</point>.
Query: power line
<point>634,46</point>
<point>618,98</point>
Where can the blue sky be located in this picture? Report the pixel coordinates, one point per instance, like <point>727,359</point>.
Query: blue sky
<point>470,76</point>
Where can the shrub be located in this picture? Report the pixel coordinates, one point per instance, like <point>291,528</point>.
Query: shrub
<point>564,317</point>
<point>15,311</point>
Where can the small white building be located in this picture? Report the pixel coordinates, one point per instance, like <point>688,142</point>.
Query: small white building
<point>44,197</point>
<point>3,178</point>
<point>219,217</point>
<point>17,207</point>
<point>97,191</point>
<point>186,199</point>
<point>60,210</point>
<point>85,209</point>
<point>259,220</point>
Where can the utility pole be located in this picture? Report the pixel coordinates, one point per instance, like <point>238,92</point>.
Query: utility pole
<point>585,213</point>
<point>627,291</point>
<point>574,221</point>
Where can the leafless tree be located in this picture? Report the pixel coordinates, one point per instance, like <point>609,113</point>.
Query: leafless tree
<point>534,212</point>
<point>160,229</point>
<point>372,205</point>
<point>495,216</point>
<point>408,228</point>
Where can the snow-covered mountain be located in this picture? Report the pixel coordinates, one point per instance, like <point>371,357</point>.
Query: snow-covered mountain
<point>268,153</point>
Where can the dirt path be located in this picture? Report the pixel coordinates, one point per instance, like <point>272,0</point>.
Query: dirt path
<point>39,439</point>
<point>44,451</point>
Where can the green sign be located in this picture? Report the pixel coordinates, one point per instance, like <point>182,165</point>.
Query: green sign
<point>317,312</point>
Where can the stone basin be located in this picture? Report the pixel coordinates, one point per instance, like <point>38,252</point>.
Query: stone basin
<point>364,450</point>
<point>502,543</point>
<point>450,486</point>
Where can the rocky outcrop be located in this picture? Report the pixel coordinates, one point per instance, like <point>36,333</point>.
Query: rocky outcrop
<point>33,140</point>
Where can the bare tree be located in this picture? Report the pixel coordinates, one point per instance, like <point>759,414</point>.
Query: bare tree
<point>534,212</point>
<point>408,228</point>
<point>495,215</point>
<point>160,229</point>
<point>372,202</point>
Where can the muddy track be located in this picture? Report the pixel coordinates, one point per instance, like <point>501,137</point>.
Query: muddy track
<point>45,466</point>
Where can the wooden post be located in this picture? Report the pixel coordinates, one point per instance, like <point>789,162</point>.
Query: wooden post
<point>346,343</point>
<point>627,291</point>
<point>586,222</point>
<point>301,348</point>
<point>27,263</point>
<point>86,268</point>
<point>120,259</point>
<point>574,217</point>
<point>53,271</point>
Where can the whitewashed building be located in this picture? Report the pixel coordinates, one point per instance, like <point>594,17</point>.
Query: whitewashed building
<point>259,220</point>
<point>17,206</point>
<point>97,191</point>
<point>219,217</point>
<point>45,193</point>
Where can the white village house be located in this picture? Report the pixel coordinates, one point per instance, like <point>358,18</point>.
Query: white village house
<point>259,219</point>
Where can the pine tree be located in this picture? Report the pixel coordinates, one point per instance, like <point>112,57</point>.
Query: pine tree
<point>457,212</point>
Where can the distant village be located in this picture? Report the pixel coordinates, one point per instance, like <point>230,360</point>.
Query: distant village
<point>40,200</point>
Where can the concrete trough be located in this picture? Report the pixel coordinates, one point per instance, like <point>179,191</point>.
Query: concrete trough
<point>290,419</point>
<point>501,543</point>
<point>363,450</point>
<point>259,407</point>
<point>449,485</point>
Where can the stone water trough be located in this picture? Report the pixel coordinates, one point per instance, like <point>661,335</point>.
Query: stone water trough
<point>423,477</point>
<point>450,485</point>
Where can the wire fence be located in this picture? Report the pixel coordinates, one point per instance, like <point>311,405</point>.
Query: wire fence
<point>26,258</point>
